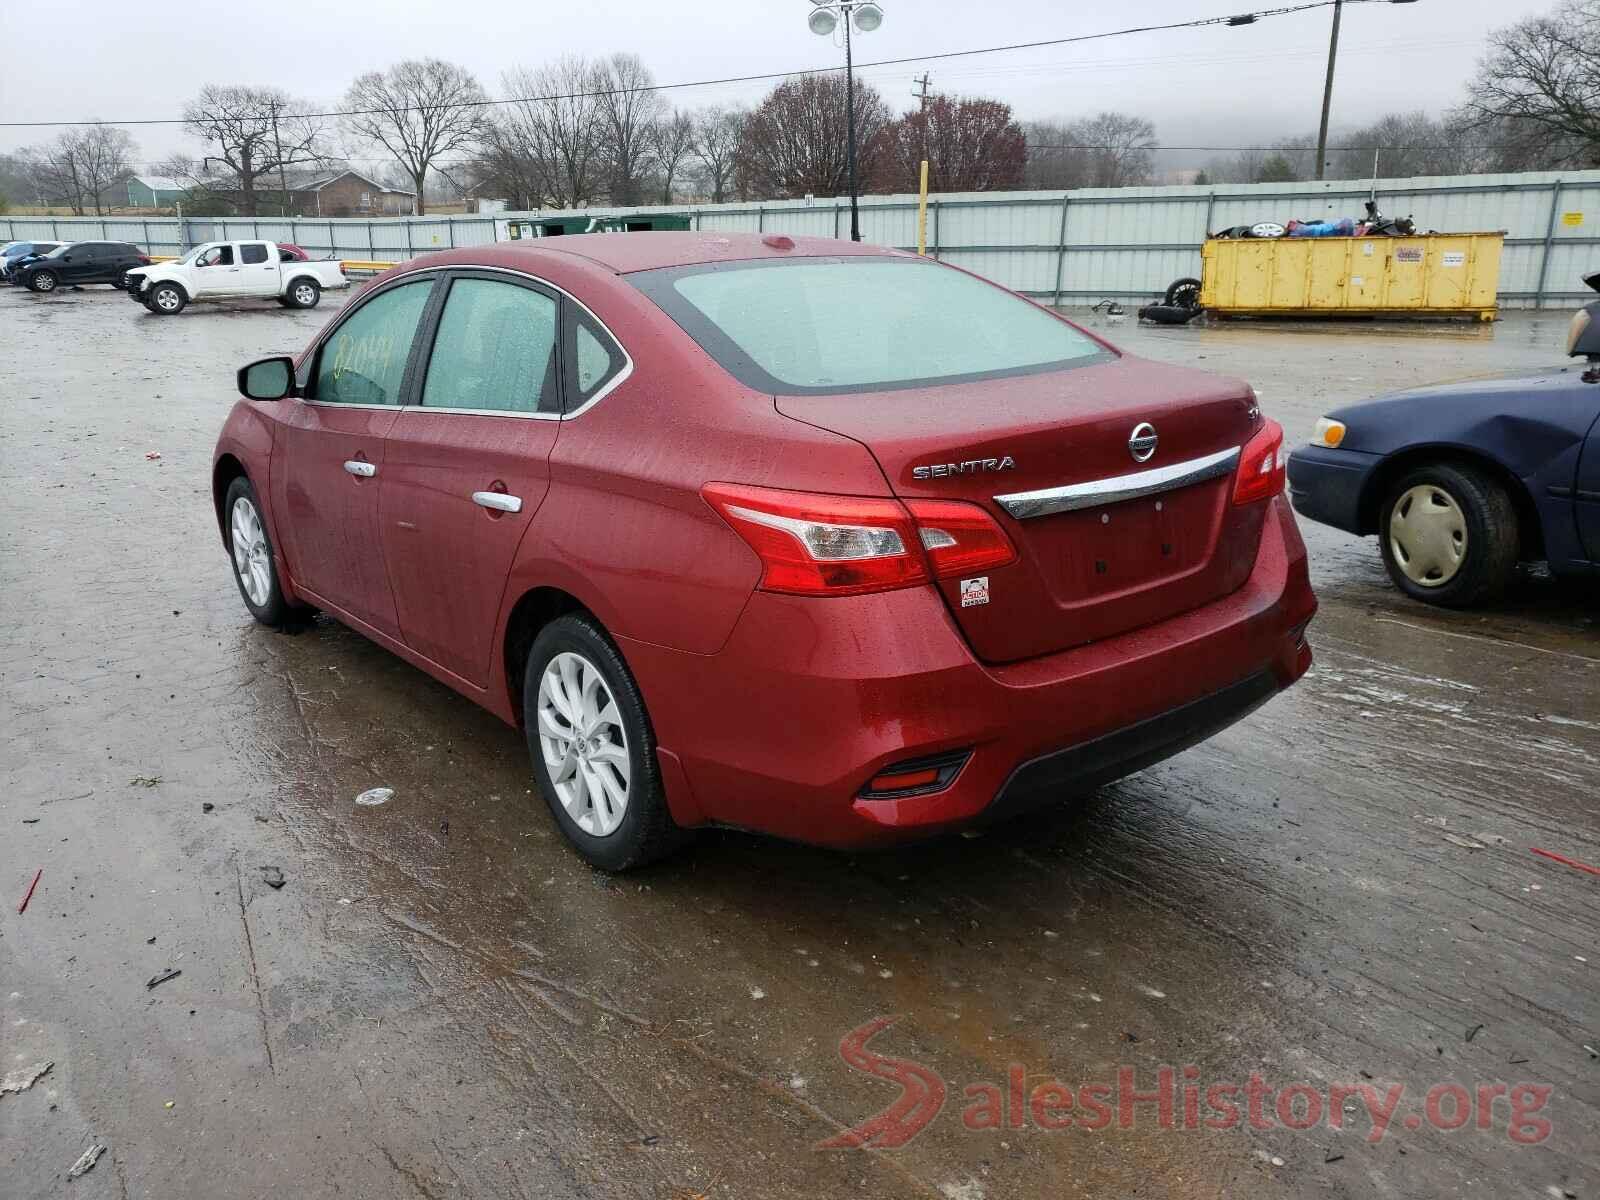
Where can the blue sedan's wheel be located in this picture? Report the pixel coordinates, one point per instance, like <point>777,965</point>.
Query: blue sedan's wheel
<point>1449,534</point>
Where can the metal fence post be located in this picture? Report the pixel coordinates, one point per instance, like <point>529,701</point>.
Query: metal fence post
<point>1061,249</point>
<point>147,233</point>
<point>836,211</point>
<point>450,224</point>
<point>411,250</point>
<point>333,246</point>
<point>937,245</point>
<point>1211,206</point>
<point>372,252</point>
<point>761,217</point>
<point>55,230</point>
<point>1549,242</point>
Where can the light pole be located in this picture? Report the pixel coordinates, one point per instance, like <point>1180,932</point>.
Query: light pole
<point>1327,90</point>
<point>824,19</point>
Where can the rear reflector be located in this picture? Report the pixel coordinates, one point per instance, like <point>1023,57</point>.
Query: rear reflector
<point>820,545</point>
<point>1262,465</point>
<point>916,776</point>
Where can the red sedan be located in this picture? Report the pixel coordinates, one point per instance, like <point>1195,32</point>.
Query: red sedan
<point>794,535</point>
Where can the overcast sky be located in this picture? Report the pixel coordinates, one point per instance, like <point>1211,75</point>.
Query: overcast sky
<point>116,61</point>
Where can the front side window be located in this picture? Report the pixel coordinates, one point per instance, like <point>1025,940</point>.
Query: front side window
<point>364,360</point>
<point>495,350</point>
<point>217,256</point>
<point>253,253</point>
<point>812,326</point>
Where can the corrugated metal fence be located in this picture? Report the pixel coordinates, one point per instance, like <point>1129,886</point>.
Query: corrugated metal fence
<point>1070,248</point>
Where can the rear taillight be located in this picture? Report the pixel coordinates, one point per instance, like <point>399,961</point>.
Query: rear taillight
<point>820,545</point>
<point>960,538</point>
<point>1262,466</point>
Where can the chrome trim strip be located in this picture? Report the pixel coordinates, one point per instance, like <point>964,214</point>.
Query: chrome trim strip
<point>612,384</point>
<point>1096,493</point>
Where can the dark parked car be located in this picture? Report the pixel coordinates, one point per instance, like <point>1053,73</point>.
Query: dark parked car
<point>16,254</point>
<point>1463,481</point>
<point>780,533</point>
<point>79,263</point>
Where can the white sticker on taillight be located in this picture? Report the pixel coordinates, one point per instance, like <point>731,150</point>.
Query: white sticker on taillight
<point>974,591</point>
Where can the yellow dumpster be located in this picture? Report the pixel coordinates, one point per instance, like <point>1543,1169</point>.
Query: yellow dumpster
<point>1431,275</point>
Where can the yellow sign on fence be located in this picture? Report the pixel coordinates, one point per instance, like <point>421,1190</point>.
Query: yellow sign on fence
<point>1573,219</point>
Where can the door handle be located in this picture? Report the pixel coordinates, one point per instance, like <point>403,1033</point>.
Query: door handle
<point>497,500</point>
<point>364,469</point>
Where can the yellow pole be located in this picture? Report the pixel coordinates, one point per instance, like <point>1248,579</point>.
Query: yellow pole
<point>922,211</point>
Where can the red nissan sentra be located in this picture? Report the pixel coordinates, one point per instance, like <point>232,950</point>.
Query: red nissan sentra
<point>801,536</point>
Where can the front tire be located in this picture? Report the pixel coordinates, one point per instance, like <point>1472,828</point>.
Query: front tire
<point>43,281</point>
<point>255,567</point>
<point>1449,535</point>
<point>167,300</point>
<point>593,749</point>
<point>304,293</point>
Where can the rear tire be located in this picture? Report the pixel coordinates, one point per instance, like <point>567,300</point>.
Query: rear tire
<point>167,300</point>
<point>593,749</point>
<point>304,293</point>
<point>1449,535</point>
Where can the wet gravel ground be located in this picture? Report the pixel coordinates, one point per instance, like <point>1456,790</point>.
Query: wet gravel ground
<point>443,1001</point>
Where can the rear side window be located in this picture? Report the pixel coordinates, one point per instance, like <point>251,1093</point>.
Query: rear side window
<point>253,254</point>
<point>817,325</point>
<point>596,359</point>
<point>495,350</point>
<point>364,360</point>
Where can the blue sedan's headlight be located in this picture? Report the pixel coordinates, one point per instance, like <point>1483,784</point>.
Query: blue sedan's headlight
<point>1329,433</point>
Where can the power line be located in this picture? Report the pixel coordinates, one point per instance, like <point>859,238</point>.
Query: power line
<point>1233,20</point>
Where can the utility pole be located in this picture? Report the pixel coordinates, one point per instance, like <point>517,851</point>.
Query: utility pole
<point>1327,91</point>
<point>283,179</point>
<point>922,99</point>
<point>850,121</point>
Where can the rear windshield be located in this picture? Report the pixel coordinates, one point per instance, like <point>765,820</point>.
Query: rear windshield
<point>829,325</point>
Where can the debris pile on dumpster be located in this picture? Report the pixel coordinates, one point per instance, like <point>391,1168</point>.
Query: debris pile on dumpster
<point>1375,224</point>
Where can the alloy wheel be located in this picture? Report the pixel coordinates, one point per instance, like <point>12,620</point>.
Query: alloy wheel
<point>250,555</point>
<point>167,300</point>
<point>584,745</point>
<point>1428,535</point>
<point>304,295</point>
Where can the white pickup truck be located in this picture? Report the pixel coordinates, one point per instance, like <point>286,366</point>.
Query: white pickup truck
<point>234,271</point>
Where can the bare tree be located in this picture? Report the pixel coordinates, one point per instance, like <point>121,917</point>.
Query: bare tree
<point>629,108</point>
<point>718,132</point>
<point>420,111</point>
<point>504,166</point>
<point>553,125</point>
<point>972,145</point>
<point>1055,160</point>
<point>1541,77</point>
<point>251,134</point>
<point>80,167</point>
<point>672,140</point>
<point>794,142</point>
<point>1119,148</point>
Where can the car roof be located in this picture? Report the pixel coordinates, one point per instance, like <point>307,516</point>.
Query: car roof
<point>651,250</point>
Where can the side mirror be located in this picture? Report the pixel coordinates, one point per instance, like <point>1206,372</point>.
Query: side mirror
<point>267,379</point>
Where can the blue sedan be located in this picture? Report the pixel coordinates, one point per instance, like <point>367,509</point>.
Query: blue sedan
<point>1463,481</point>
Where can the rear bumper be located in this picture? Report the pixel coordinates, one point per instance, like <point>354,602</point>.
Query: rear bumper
<point>1326,485</point>
<point>782,729</point>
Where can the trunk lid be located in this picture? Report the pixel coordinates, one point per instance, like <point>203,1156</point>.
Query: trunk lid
<point>1103,566</point>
